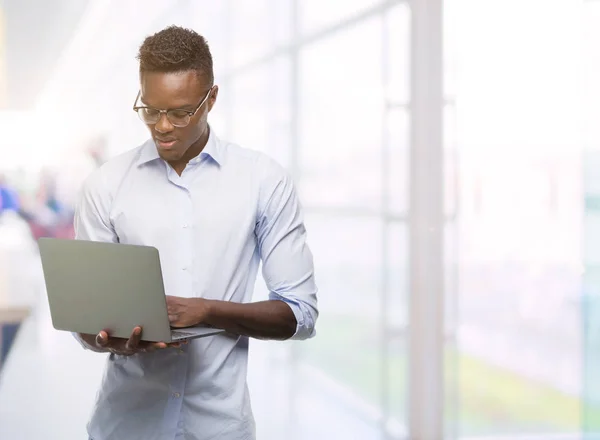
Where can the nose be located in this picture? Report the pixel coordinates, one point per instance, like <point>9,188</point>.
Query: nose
<point>163,125</point>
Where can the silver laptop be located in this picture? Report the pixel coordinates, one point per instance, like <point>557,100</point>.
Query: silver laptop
<point>94,286</point>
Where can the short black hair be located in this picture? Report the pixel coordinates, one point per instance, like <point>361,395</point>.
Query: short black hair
<point>176,49</point>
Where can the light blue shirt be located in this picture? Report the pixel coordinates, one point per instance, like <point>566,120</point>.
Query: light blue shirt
<point>230,210</point>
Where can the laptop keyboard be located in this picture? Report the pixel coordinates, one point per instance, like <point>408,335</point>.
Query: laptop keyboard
<point>181,334</point>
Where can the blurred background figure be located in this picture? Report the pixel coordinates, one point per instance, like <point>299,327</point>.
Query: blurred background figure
<point>9,198</point>
<point>17,260</point>
<point>48,216</point>
<point>446,152</point>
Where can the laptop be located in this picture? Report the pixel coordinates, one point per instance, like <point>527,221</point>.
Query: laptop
<point>94,286</point>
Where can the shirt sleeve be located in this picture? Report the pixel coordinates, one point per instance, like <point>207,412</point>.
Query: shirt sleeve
<point>91,220</point>
<point>287,262</point>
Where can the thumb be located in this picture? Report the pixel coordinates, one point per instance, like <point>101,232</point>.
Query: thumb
<point>102,338</point>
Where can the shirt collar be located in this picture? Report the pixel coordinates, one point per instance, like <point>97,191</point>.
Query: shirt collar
<point>211,149</point>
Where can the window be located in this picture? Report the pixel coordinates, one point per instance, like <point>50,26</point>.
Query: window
<point>398,126</point>
<point>317,14</point>
<point>259,102</point>
<point>591,190</point>
<point>258,28</point>
<point>341,119</point>
<point>397,54</point>
<point>518,354</point>
<point>348,252</point>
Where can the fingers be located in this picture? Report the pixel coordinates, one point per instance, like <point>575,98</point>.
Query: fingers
<point>134,340</point>
<point>132,345</point>
<point>149,347</point>
<point>102,339</point>
<point>162,345</point>
<point>178,343</point>
<point>118,345</point>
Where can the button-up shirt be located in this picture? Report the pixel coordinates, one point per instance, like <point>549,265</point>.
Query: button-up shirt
<point>230,209</point>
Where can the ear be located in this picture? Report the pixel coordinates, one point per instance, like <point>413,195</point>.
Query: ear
<point>213,97</point>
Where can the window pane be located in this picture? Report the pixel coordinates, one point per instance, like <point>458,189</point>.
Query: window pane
<point>279,95</point>
<point>591,294</point>
<point>397,386</point>
<point>259,102</point>
<point>397,44</point>
<point>518,130</point>
<point>397,276</point>
<point>451,156</point>
<point>591,161</point>
<point>519,325</point>
<point>451,31</point>
<point>317,14</point>
<point>347,351</point>
<point>208,18</point>
<point>398,148</point>
<point>396,359</point>
<point>591,97</point>
<point>250,113</point>
<point>341,119</point>
<point>451,353</point>
<point>507,98</point>
<point>269,28</point>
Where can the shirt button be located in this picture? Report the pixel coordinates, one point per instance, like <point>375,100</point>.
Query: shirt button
<point>176,395</point>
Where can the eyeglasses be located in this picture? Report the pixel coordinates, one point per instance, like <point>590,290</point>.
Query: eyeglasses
<point>177,117</point>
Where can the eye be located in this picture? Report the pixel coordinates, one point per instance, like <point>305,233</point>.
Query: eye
<point>178,114</point>
<point>150,112</point>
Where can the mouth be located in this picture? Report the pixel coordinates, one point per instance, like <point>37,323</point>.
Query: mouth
<point>166,144</point>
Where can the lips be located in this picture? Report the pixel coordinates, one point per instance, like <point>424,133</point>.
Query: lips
<point>166,142</point>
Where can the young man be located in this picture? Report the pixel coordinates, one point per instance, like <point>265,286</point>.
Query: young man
<point>215,211</point>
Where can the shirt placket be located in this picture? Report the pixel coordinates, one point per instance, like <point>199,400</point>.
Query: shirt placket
<point>187,246</point>
<point>173,417</point>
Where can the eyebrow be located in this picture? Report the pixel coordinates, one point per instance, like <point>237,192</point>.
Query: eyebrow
<point>187,107</point>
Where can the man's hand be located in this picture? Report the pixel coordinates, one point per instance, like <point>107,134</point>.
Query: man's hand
<point>126,347</point>
<point>186,312</point>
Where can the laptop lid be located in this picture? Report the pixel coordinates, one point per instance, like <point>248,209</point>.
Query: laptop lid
<point>93,286</point>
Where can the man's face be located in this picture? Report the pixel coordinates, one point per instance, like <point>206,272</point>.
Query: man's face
<point>169,91</point>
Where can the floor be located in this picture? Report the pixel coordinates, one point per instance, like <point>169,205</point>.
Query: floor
<point>64,378</point>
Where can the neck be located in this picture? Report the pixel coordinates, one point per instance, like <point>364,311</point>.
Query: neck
<point>194,150</point>
<point>197,147</point>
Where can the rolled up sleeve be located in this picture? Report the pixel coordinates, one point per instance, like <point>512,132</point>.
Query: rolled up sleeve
<point>287,261</point>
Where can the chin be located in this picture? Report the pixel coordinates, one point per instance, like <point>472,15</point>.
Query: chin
<point>170,155</point>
